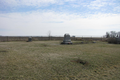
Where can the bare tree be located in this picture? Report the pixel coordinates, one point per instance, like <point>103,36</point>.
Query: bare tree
<point>107,34</point>
<point>113,34</point>
<point>113,37</point>
<point>118,34</point>
<point>49,34</point>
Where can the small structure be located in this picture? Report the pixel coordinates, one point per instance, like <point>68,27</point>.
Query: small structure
<point>29,39</point>
<point>67,39</point>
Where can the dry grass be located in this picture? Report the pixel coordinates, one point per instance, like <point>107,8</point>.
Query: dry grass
<point>47,60</point>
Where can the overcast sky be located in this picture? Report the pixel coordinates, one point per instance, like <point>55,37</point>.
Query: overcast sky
<point>76,17</point>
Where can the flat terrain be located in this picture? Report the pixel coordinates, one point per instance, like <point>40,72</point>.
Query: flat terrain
<point>48,60</point>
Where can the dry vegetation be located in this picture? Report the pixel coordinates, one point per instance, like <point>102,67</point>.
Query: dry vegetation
<point>48,60</point>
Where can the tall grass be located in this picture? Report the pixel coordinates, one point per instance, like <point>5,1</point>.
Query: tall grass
<point>48,60</point>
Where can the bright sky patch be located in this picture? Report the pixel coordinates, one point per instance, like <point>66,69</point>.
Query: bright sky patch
<point>76,17</point>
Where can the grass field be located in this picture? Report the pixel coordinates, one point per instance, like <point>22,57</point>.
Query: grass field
<point>48,60</point>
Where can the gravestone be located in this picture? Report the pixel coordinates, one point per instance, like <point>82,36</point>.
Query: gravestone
<point>29,39</point>
<point>67,39</point>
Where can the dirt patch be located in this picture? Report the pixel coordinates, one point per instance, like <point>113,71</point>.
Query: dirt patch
<point>83,62</point>
<point>3,51</point>
<point>44,45</point>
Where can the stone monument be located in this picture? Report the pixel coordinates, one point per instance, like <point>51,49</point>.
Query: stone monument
<point>67,39</point>
<point>29,39</point>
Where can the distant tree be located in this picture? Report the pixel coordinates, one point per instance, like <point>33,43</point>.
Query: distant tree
<point>118,34</point>
<point>107,35</point>
<point>113,37</point>
<point>49,34</point>
<point>112,34</point>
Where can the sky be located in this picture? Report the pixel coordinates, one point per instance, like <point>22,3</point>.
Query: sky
<point>57,17</point>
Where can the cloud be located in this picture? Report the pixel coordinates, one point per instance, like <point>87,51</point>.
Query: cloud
<point>16,4</point>
<point>70,6</point>
<point>97,4</point>
<point>40,22</point>
<point>38,3</point>
<point>37,17</point>
<point>117,8</point>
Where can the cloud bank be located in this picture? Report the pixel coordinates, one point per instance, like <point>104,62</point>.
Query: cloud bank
<point>40,23</point>
<point>77,17</point>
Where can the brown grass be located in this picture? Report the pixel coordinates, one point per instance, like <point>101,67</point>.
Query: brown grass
<point>48,60</point>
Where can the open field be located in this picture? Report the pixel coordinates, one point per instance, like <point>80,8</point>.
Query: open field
<point>48,60</point>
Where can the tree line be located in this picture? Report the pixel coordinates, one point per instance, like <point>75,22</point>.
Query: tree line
<point>113,37</point>
<point>112,34</point>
